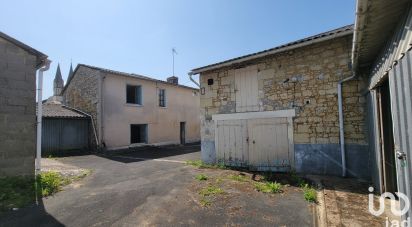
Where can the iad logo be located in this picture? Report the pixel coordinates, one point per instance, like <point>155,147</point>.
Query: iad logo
<point>391,196</point>
<point>394,208</point>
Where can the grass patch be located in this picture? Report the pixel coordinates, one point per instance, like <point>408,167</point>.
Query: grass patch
<point>211,191</point>
<point>268,187</point>
<point>200,164</point>
<point>309,193</point>
<point>19,191</point>
<point>16,192</point>
<point>201,177</point>
<point>208,193</point>
<point>240,178</point>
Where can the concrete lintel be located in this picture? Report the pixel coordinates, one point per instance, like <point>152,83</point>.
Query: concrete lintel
<point>255,115</point>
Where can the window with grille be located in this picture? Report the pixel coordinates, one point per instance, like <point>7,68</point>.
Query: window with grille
<point>162,97</point>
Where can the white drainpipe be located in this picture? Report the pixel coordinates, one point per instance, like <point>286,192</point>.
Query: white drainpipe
<point>44,67</point>
<point>194,81</point>
<point>341,127</point>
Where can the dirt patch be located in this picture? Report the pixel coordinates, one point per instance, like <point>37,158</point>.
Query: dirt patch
<point>346,203</point>
<point>228,186</point>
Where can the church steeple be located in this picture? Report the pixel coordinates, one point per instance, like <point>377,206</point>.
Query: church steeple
<point>70,72</point>
<point>58,82</point>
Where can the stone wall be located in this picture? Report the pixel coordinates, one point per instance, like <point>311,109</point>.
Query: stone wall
<point>312,74</point>
<point>81,93</point>
<point>17,110</point>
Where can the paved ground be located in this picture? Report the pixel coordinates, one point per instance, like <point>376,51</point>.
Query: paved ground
<point>154,187</point>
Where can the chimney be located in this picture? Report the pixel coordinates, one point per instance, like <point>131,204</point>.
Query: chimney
<point>173,80</point>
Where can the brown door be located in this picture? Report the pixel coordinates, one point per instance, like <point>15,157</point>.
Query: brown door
<point>388,166</point>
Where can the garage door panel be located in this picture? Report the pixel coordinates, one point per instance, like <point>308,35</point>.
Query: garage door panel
<point>231,145</point>
<point>269,149</point>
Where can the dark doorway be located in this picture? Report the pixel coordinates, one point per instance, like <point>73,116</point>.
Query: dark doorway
<point>388,166</point>
<point>138,133</point>
<point>182,132</point>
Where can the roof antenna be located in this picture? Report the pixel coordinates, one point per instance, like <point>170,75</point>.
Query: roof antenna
<point>173,56</point>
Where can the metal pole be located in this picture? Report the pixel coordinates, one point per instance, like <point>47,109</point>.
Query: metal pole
<point>39,120</point>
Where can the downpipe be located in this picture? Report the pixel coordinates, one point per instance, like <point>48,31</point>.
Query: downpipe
<point>43,68</point>
<point>341,124</point>
<point>194,81</point>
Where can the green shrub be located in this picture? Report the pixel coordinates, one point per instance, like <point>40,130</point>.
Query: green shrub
<point>201,177</point>
<point>268,187</point>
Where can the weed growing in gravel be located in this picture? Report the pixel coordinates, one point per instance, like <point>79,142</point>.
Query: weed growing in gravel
<point>200,164</point>
<point>211,191</point>
<point>240,178</point>
<point>309,193</point>
<point>201,177</point>
<point>268,187</point>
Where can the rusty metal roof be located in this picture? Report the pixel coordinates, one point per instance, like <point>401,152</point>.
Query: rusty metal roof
<point>346,30</point>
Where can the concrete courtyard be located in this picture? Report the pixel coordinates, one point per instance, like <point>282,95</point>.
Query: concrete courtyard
<point>154,187</point>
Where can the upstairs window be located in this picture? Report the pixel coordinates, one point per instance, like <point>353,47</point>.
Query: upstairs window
<point>134,94</point>
<point>162,97</point>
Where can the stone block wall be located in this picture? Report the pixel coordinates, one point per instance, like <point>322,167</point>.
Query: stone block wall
<point>82,93</point>
<point>17,110</point>
<point>305,79</point>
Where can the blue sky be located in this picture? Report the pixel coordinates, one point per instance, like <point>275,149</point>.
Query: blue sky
<point>137,36</point>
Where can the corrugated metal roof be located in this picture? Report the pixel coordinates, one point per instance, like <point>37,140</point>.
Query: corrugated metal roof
<point>376,22</point>
<point>56,110</point>
<point>346,30</point>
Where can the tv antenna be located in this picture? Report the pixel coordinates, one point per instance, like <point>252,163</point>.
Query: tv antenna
<point>173,56</point>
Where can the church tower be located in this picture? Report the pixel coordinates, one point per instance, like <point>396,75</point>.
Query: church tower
<point>58,82</point>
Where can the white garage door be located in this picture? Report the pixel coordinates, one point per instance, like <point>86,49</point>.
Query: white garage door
<point>231,141</point>
<point>269,144</point>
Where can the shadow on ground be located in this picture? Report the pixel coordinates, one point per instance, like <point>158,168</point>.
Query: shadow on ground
<point>138,154</point>
<point>32,215</point>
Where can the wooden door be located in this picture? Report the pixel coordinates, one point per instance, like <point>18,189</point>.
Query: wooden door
<point>231,139</point>
<point>246,89</point>
<point>269,145</point>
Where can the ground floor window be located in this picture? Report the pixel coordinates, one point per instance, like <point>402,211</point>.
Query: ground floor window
<point>138,133</point>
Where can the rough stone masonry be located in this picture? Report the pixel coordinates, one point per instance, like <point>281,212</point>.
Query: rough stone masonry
<point>315,71</point>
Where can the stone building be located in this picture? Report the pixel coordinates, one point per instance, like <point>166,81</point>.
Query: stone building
<point>18,65</point>
<point>129,109</point>
<point>278,109</point>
